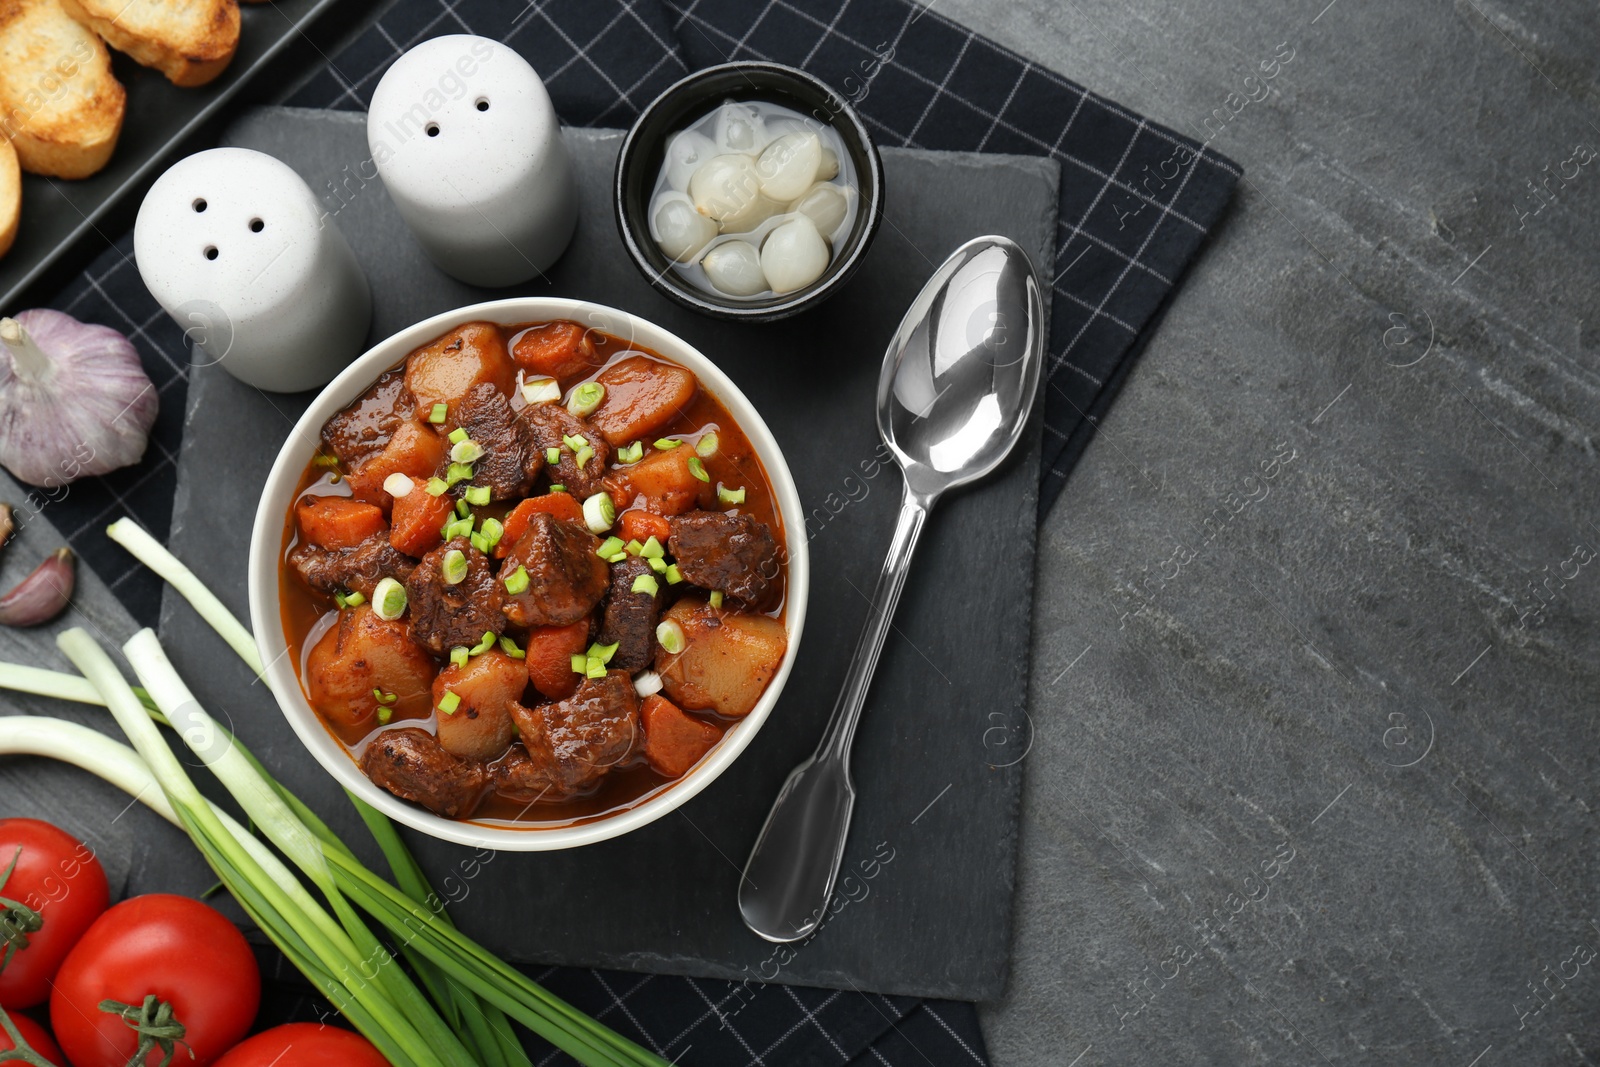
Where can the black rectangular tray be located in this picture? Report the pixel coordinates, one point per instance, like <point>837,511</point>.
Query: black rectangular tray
<point>927,904</point>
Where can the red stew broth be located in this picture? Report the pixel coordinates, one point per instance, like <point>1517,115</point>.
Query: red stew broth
<point>308,614</point>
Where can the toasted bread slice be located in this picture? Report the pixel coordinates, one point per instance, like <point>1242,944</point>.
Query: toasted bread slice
<point>59,103</point>
<point>190,41</point>
<point>10,195</point>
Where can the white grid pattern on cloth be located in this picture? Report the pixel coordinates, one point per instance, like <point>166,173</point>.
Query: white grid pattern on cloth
<point>603,59</point>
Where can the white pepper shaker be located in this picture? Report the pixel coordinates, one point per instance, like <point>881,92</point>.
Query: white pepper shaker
<point>469,148</point>
<point>234,245</point>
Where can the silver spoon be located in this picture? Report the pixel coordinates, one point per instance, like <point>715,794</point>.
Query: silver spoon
<point>957,384</point>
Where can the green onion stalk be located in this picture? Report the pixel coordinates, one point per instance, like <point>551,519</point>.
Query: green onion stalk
<point>456,1013</point>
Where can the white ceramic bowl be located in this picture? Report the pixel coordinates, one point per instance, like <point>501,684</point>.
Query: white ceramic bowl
<point>266,544</point>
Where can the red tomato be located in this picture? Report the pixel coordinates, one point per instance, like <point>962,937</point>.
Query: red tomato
<point>37,1039</point>
<point>58,878</point>
<point>179,950</point>
<point>304,1045</point>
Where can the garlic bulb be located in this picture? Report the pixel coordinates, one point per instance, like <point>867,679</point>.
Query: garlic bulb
<point>826,205</point>
<point>740,128</point>
<point>788,166</point>
<point>734,267</point>
<point>678,228</point>
<point>74,399</point>
<point>685,152</point>
<point>794,255</point>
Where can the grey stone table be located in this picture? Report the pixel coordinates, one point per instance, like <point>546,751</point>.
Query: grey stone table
<point>1313,776</point>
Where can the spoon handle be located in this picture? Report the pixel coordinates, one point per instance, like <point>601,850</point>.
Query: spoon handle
<point>880,616</point>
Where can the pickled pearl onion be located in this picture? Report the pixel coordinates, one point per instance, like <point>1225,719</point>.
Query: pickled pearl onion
<point>734,267</point>
<point>679,230</point>
<point>789,165</point>
<point>687,150</point>
<point>724,186</point>
<point>794,255</point>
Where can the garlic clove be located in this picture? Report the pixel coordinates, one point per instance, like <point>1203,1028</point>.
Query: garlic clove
<point>42,595</point>
<point>826,205</point>
<point>788,166</point>
<point>740,128</point>
<point>679,230</point>
<point>794,255</point>
<point>74,399</point>
<point>724,186</point>
<point>7,523</point>
<point>685,152</point>
<point>734,267</point>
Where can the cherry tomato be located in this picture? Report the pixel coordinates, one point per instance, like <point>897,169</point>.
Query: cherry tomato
<point>303,1045</point>
<point>179,950</point>
<point>58,878</point>
<point>37,1039</point>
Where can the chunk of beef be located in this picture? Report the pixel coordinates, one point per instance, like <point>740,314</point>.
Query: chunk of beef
<point>411,764</point>
<point>568,746</point>
<point>508,465</point>
<point>546,426</point>
<point>361,430</point>
<point>736,554</point>
<point>630,621</point>
<point>444,615</point>
<point>565,578</point>
<point>358,569</point>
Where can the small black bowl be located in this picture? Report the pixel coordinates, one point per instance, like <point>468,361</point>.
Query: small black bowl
<point>639,165</point>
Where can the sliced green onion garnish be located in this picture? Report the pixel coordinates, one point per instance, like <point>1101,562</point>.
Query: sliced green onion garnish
<point>716,598</point>
<point>634,547</point>
<point>558,489</point>
<point>541,390</point>
<point>617,557</point>
<point>580,663</point>
<point>674,575</point>
<point>383,698</point>
<point>385,713</point>
<point>457,472</point>
<point>595,669</point>
<point>458,656</point>
<point>517,580</point>
<point>730,496</point>
<point>326,461</point>
<point>454,567</point>
<point>667,443</point>
<point>458,435</point>
<point>438,487</point>
<point>707,445</point>
<point>646,583</point>
<point>389,599</point>
<point>477,495</point>
<point>479,543</point>
<point>698,469</point>
<point>397,485</point>
<point>574,441</point>
<point>585,398</point>
<point>355,600</point>
<point>631,453</point>
<point>466,452</point>
<point>438,413</point>
<point>483,646</point>
<point>492,530</point>
<point>599,513</point>
<point>462,511</point>
<point>609,547</point>
<point>603,653</point>
<point>670,635</point>
<point>652,548</point>
<point>459,528</point>
<point>657,564</point>
<point>552,456</point>
<point>585,454</point>
<point>449,703</point>
<point>509,647</point>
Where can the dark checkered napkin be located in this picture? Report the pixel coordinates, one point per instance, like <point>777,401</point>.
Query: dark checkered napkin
<point>1136,202</point>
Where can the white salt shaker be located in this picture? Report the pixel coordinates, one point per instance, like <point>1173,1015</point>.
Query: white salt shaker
<point>469,148</point>
<point>237,249</point>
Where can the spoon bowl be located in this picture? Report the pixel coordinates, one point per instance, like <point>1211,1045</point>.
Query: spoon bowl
<point>958,383</point>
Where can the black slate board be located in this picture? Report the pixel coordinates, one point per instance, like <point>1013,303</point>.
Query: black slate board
<point>934,839</point>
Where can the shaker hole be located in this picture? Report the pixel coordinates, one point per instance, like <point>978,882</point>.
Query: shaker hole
<point>199,203</point>
<point>483,103</point>
<point>211,251</point>
<point>433,129</point>
<point>256,225</point>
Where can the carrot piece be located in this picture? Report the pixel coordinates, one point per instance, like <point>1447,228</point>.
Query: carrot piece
<point>413,449</point>
<point>673,741</point>
<point>337,521</point>
<point>549,657</point>
<point>560,350</point>
<point>639,525</point>
<point>642,396</point>
<point>418,518</point>
<point>665,481</point>
<point>561,505</point>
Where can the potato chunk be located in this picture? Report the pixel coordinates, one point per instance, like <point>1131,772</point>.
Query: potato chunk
<point>480,726</point>
<point>727,662</point>
<point>643,396</point>
<point>444,371</point>
<point>362,653</point>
